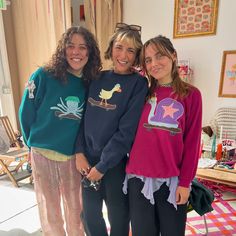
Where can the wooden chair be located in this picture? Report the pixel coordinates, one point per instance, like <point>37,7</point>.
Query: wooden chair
<point>16,154</point>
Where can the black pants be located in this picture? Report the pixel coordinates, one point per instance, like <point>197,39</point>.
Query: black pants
<point>151,220</point>
<point>116,202</point>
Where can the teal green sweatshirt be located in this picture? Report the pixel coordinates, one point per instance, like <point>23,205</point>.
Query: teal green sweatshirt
<point>51,111</point>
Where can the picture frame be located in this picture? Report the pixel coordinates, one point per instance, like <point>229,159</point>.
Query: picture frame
<point>185,72</point>
<point>227,87</point>
<point>195,18</point>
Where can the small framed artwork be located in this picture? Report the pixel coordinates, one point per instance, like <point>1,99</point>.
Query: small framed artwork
<point>185,72</point>
<point>227,86</point>
<point>195,18</point>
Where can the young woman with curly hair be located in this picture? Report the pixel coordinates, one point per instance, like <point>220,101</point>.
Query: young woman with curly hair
<point>50,115</point>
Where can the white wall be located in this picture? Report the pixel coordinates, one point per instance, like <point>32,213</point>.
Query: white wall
<point>205,52</point>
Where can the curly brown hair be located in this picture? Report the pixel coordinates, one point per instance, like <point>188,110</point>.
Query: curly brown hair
<point>58,64</point>
<point>165,47</point>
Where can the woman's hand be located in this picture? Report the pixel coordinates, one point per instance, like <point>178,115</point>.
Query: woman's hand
<point>94,175</point>
<point>82,164</point>
<point>182,195</point>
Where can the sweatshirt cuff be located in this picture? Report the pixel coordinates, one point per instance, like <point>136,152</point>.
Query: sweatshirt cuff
<point>184,183</point>
<point>101,167</point>
<point>79,149</point>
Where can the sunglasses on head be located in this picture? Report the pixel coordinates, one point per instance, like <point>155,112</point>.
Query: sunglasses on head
<point>129,27</point>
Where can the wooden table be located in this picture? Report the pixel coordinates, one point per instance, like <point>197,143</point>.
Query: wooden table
<point>218,175</point>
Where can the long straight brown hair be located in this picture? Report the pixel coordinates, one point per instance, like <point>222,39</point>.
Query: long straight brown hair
<point>165,47</point>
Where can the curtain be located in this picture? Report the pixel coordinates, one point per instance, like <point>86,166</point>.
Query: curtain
<point>101,17</point>
<point>32,29</point>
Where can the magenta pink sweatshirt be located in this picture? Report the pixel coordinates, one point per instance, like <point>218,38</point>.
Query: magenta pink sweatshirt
<point>167,141</point>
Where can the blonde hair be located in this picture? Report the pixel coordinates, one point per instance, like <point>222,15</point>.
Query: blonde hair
<point>127,35</point>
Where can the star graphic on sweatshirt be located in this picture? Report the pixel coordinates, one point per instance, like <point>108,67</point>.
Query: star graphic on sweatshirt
<point>169,110</point>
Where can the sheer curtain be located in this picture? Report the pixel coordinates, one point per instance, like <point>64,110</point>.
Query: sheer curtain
<point>6,97</point>
<point>32,29</point>
<point>101,17</point>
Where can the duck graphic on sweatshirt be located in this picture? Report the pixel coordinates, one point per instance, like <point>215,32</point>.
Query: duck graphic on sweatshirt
<point>104,96</point>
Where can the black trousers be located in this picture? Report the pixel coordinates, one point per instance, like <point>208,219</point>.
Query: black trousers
<point>151,220</point>
<point>116,201</point>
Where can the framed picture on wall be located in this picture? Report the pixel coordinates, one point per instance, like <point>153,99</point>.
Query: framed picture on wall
<point>184,70</point>
<point>195,18</point>
<point>227,86</point>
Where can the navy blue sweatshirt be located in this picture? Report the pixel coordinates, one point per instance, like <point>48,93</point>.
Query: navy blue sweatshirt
<point>114,106</point>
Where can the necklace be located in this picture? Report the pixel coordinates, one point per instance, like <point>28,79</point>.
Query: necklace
<point>166,85</point>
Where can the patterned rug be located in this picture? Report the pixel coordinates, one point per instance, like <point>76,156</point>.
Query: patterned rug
<point>221,221</point>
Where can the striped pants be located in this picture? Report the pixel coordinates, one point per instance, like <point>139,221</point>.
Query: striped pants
<point>57,184</point>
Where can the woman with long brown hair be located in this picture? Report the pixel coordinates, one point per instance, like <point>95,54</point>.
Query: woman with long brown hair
<point>164,156</point>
